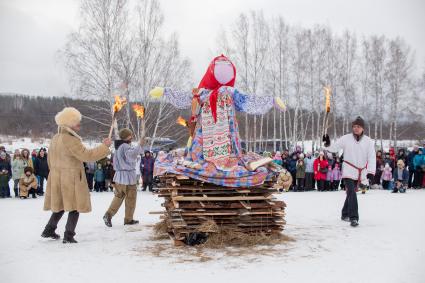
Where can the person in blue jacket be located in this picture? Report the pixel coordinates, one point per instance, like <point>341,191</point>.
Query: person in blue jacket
<point>419,166</point>
<point>410,165</point>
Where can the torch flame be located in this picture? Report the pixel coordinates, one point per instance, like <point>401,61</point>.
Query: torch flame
<point>119,103</point>
<point>181,121</point>
<point>140,110</point>
<point>328,92</point>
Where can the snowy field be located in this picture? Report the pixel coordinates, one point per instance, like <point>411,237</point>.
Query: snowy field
<point>388,246</point>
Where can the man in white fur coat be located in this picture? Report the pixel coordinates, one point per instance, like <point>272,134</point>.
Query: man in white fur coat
<point>359,164</point>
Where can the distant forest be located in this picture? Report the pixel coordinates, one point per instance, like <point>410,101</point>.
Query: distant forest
<point>28,116</point>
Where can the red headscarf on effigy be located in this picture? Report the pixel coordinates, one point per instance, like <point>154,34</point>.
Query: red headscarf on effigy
<point>209,81</point>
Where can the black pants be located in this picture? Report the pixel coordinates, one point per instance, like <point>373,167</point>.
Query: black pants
<point>300,184</point>
<point>148,181</point>
<point>309,181</point>
<point>89,178</point>
<point>32,192</point>
<point>410,181</point>
<point>417,182</point>
<point>335,185</point>
<point>99,186</point>
<point>350,208</point>
<point>327,185</point>
<point>71,222</point>
<point>16,187</point>
<point>320,185</point>
<point>385,184</point>
<point>4,191</point>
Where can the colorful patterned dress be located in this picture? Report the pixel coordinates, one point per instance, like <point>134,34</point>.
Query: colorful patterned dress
<point>216,146</point>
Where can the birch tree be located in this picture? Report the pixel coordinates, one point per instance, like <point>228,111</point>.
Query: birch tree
<point>92,52</point>
<point>398,76</point>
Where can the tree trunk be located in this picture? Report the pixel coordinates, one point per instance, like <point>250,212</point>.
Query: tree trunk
<point>255,133</point>
<point>284,129</point>
<point>274,129</point>
<point>248,148</point>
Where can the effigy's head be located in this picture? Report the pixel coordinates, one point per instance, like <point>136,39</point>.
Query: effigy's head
<point>220,72</point>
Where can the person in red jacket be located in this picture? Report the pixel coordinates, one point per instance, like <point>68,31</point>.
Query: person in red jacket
<point>320,167</point>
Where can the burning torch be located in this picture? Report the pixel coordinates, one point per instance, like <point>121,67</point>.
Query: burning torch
<point>118,105</point>
<point>140,113</point>
<point>182,122</point>
<point>328,92</point>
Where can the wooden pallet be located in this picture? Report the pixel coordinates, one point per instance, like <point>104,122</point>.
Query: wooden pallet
<point>190,203</point>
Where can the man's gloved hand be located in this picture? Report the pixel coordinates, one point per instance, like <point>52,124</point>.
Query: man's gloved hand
<point>326,140</point>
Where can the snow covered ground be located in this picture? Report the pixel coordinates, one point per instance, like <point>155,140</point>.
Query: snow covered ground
<point>388,246</point>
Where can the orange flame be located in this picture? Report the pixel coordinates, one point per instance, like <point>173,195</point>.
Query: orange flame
<point>181,121</point>
<point>328,99</point>
<point>119,103</point>
<point>140,110</point>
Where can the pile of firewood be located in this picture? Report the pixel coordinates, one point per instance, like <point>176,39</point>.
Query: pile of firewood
<point>191,205</point>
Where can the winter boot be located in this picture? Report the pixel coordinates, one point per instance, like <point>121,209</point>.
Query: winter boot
<point>346,219</point>
<point>49,232</point>
<point>68,238</point>
<point>132,222</point>
<point>354,223</point>
<point>16,192</point>
<point>107,218</point>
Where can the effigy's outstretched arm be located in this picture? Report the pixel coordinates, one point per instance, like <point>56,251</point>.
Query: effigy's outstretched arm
<point>257,105</point>
<point>179,99</point>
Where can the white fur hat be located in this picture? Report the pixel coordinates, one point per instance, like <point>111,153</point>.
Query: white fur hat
<point>69,116</point>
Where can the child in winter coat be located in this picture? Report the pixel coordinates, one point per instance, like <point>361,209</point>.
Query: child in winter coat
<point>109,174</point>
<point>336,177</point>
<point>99,179</point>
<point>284,180</point>
<point>329,178</point>
<point>28,183</point>
<point>401,177</point>
<point>386,176</point>
<point>300,174</point>
<point>277,159</point>
<point>18,166</point>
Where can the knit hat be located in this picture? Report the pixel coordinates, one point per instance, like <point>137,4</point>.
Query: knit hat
<point>359,122</point>
<point>125,133</point>
<point>69,116</point>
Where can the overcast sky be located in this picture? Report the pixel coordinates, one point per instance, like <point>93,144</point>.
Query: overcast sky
<point>31,31</point>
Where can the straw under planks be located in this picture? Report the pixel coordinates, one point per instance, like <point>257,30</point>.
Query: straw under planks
<point>192,207</point>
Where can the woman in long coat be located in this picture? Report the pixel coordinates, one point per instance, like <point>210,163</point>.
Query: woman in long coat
<point>67,188</point>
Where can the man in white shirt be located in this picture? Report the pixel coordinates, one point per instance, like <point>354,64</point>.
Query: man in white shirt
<point>359,164</point>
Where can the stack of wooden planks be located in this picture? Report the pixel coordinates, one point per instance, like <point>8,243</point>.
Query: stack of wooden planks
<point>190,203</point>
